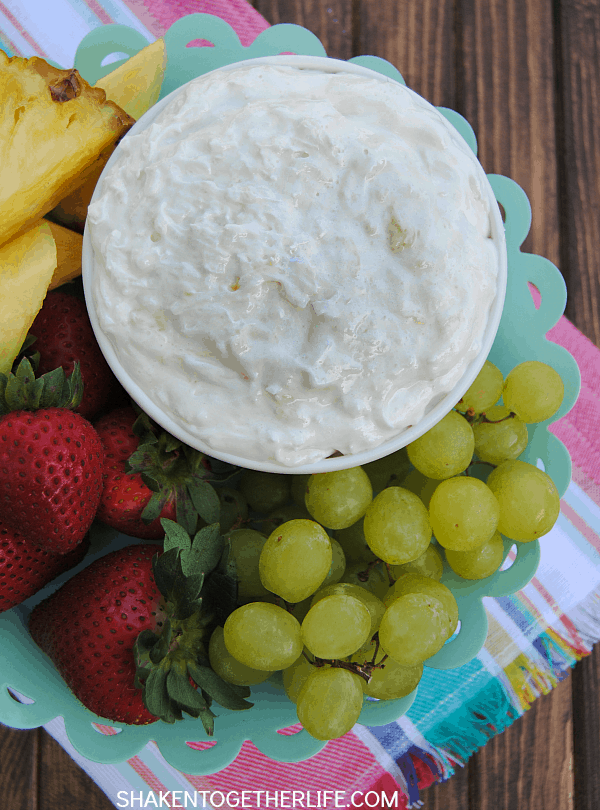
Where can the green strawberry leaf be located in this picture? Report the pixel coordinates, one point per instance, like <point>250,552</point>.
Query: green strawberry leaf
<point>154,506</point>
<point>205,551</point>
<point>164,569</point>
<point>186,514</point>
<point>53,385</point>
<point>169,443</point>
<point>161,648</point>
<point>175,536</point>
<point>188,600</point>
<point>205,500</point>
<point>217,688</point>
<point>72,389</point>
<point>182,692</point>
<point>155,694</point>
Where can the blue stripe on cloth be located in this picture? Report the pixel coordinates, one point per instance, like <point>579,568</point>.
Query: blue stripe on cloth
<point>474,704</point>
<point>4,47</point>
<point>520,615</point>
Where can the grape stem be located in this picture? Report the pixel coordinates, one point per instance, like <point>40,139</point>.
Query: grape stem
<point>364,575</point>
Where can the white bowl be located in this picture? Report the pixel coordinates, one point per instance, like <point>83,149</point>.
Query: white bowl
<point>141,396</point>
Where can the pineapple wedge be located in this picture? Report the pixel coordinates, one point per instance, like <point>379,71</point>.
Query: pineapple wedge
<point>68,254</point>
<point>135,87</point>
<point>27,264</point>
<point>54,128</point>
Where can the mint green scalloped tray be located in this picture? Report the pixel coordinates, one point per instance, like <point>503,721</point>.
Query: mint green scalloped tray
<point>521,336</point>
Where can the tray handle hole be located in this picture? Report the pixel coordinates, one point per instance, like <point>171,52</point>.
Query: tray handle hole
<point>510,558</point>
<point>200,43</point>
<point>535,294</point>
<point>116,56</point>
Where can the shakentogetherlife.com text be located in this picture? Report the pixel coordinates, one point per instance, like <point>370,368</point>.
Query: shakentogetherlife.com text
<point>257,799</point>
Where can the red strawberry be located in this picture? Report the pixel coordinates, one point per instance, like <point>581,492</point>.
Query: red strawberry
<point>65,336</point>
<point>127,651</point>
<point>50,459</point>
<point>89,626</point>
<point>125,495</point>
<point>148,474</point>
<point>26,567</point>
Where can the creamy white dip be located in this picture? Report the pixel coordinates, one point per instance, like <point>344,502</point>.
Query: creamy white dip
<point>291,262</point>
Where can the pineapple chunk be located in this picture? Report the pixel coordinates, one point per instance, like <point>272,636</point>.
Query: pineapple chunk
<point>68,254</point>
<point>135,87</point>
<point>27,264</point>
<point>54,128</point>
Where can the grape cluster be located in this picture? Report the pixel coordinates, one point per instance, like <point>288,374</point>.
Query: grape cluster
<point>339,573</point>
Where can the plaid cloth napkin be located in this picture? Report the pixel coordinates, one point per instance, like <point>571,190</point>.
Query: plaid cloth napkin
<point>534,636</point>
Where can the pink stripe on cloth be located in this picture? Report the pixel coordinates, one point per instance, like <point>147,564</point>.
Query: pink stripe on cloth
<point>25,34</point>
<point>158,17</point>
<point>149,777</point>
<point>100,12</point>
<point>345,764</point>
<point>579,430</point>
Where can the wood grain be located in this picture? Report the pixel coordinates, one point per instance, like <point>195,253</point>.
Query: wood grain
<point>19,782</point>
<point>65,786</point>
<point>586,732</point>
<point>578,114</point>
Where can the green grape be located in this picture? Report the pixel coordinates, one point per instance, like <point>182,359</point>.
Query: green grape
<point>389,680</point>
<point>416,583</point>
<point>485,391</point>
<point>534,391</point>
<point>413,628</point>
<point>373,603</point>
<point>373,578</point>
<point>295,676</point>
<point>295,559</point>
<point>338,564</point>
<point>246,548</point>
<point>298,492</point>
<point>265,491</point>
<point>397,526</point>
<point>330,702</point>
<point>464,513</point>
<point>421,485</point>
<point>529,501</point>
<point>502,436</point>
<point>338,499</point>
<point>388,470</point>
<point>353,542</point>
<point>429,564</point>
<point>263,636</point>
<point>480,562</point>
<point>229,668</point>
<point>445,450</point>
<point>234,509</point>
<point>281,515</point>
<point>336,626</point>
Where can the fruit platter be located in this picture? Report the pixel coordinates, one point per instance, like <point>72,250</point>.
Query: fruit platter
<point>152,591</point>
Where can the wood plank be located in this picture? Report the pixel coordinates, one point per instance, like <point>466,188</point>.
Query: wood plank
<point>453,794</point>
<point>506,90</point>
<point>330,20</point>
<point>19,781</point>
<point>528,766</point>
<point>579,112</point>
<point>417,37</point>
<point>63,784</point>
<point>586,731</point>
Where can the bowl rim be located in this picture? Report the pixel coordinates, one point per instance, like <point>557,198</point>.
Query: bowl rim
<point>334,463</point>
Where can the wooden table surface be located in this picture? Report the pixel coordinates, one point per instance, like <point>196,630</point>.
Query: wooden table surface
<point>526,75</point>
